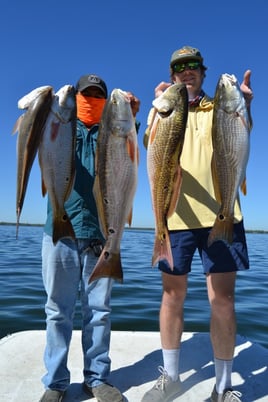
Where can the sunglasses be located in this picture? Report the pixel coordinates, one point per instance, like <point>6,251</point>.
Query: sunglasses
<point>191,65</point>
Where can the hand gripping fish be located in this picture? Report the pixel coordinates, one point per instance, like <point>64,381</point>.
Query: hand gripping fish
<point>163,163</point>
<point>230,138</point>
<point>115,181</point>
<point>57,158</point>
<point>29,126</point>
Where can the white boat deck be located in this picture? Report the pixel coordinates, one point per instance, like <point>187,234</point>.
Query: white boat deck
<point>135,358</point>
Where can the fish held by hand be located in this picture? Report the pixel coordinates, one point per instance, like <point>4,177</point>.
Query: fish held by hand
<point>57,159</point>
<point>30,127</point>
<point>163,163</point>
<point>231,145</point>
<point>116,180</point>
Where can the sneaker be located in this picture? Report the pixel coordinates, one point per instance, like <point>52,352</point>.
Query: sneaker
<point>52,395</point>
<point>165,390</point>
<point>228,396</point>
<point>104,393</point>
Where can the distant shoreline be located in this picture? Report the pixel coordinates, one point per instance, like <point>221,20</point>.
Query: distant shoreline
<point>126,228</point>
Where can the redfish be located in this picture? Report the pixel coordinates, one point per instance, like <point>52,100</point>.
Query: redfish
<point>29,126</point>
<point>116,180</point>
<point>231,145</point>
<point>57,158</point>
<point>163,163</point>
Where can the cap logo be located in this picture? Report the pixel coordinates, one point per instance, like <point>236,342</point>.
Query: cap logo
<point>185,51</point>
<point>93,78</point>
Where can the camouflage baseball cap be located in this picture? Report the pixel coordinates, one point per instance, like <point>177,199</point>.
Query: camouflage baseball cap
<point>186,53</point>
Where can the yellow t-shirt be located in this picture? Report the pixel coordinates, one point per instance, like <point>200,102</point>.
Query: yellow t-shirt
<point>197,206</point>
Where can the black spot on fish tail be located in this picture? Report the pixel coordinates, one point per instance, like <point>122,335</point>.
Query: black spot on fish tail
<point>222,230</point>
<point>62,228</point>
<point>108,266</point>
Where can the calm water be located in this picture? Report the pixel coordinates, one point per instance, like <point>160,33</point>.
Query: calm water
<point>135,302</point>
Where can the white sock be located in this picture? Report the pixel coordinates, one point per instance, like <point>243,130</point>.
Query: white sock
<point>223,371</point>
<point>171,362</point>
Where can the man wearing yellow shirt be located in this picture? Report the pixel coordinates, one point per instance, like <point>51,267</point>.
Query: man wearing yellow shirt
<point>189,228</point>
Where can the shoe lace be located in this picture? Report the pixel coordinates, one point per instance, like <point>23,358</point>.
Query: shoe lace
<point>232,396</point>
<point>163,379</point>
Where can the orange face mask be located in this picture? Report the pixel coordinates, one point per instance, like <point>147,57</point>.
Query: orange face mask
<point>89,110</point>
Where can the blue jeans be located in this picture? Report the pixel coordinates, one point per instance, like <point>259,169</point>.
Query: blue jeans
<point>66,268</point>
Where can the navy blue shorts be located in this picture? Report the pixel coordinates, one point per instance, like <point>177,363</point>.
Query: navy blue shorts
<point>219,257</point>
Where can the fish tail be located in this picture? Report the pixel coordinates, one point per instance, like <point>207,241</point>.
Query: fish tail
<point>108,266</point>
<point>62,227</point>
<point>162,250</point>
<point>222,230</point>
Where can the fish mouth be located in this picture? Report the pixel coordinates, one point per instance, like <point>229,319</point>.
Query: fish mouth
<point>166,113</point>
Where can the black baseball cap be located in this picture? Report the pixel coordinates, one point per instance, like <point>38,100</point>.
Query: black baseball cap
<point>91,80</point>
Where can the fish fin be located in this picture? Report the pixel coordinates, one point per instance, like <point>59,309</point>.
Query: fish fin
<point>151,117</point>
<point>131,149</point>
<point>244,121</point>
<point>62,227</point>
<point>138,156</point>
<point>150,122</point>
<point>43,186</point>
<point>108,266</point>
<point>44,189</point>
<point>243,186</point>
<point>17,124</point>
<point>222,229</point>
<point>129,218</point>
<point>176,192</point>
<point>153,128</point>
<point>215,180</point>
<point>162,249</point>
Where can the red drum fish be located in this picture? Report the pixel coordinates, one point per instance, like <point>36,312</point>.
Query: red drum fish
<point>230,138</point>
<point>163,163</point>
<point>116,180</point>
<point>57,158</point>
<point>29,126</point>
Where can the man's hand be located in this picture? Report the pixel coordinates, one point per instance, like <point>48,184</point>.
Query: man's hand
<point>246,89</point>
<point>134,103</point>
<point>161,88</point>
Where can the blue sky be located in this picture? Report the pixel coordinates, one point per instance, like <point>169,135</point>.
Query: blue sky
<point>129,44</point>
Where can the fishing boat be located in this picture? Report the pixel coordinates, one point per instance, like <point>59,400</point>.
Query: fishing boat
<point>135,356</point>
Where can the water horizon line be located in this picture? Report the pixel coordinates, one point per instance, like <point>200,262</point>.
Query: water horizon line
<point>258,231</point>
